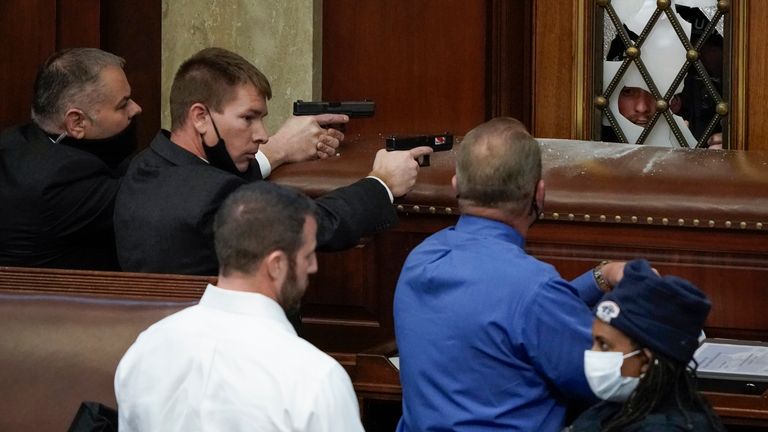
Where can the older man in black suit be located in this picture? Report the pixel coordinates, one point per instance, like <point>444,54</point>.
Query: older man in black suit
<point>218,142</point>
<point>59,174</point>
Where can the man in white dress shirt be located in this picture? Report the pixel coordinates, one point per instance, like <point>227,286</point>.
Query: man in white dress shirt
<point>234,362</point>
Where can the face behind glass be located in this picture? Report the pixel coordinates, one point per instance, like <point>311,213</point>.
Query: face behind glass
<point>637,105</point>
<point>113,113</point>
<point>608,338</point>
<point>304,264</point>
<point>241,124</point>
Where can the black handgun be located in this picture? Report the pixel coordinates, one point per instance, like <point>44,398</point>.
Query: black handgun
<point>439,142</point>
<point>354,109</point>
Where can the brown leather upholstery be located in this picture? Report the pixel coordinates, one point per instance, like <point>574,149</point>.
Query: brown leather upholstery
<point>62,334</point>
<point>681,185</point>
<point>586,180</point>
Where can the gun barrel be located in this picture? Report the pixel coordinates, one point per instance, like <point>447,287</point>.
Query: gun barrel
<point>354,109</point>
<point>440,142</point>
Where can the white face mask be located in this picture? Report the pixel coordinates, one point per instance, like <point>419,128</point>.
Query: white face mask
<point>603,371</point>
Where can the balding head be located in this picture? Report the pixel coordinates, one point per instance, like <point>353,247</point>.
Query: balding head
<point>68,78</point>
<point>498,166</point>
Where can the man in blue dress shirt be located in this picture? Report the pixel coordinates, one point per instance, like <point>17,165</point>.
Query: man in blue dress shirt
<point>491,338</point>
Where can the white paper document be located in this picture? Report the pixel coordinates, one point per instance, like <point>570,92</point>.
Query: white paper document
<point>395,361</point>
<point>723,358</point>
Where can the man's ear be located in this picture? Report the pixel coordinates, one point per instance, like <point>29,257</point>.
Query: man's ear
<point>75,123</point>
<point>540,193</point>
<point>198,115</point>
<point>277,267</point>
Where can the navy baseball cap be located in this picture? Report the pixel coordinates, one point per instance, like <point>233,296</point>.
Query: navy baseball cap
<point>662,313</point>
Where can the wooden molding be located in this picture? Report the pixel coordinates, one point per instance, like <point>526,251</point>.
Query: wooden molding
<point>508,73</point>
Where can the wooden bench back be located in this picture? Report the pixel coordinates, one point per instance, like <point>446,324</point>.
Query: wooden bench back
<point>62,333</point>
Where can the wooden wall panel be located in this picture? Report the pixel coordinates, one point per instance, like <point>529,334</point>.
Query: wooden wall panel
<point>27,38</point>
<point>509,77</point>
<point>423,62</point>
<point>78,23</point>
<point>132,30</point>
<point>757,73</point>
<point>553,68</point>
<point>729,265</point>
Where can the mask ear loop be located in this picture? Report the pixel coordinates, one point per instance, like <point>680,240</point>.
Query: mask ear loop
<point>634,353</point>
<point>631,354</point>
<point>215,129</point>
<point>534,205</point>
<point>60,137</point>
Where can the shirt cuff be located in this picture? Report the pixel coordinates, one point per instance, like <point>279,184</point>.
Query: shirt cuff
<point>389,192</point>
<point>587,287</point>
<point>264,166</point>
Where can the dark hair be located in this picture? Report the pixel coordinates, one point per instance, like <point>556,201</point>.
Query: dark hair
<point>69,77</point>
<point>665,378</point>
<point>257,219</point>
<point>498,165</point>
<point>210,77</point>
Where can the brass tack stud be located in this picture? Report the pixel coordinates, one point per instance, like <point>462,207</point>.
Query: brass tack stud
<point>743,225</point>
<point>711,224</point>
<point>587,217</point>
<point>728,224</point>
<point>665,221</point>
<point>695,222</point>
<point>723,5</point>
<point>555,216</point>
<point>633,52</point>
<point>661,105</point>
<point>681,222</point>
<point>662,4</point>
<point>400,207</point>
<point>602,218</point>
<point>634,219</point>
<point>601,102</point>
<point>692,55</point>
<point>416,209</point>
<point>759,225</point>
<point>432,210</point>
<point>617,218</point>
<point>571,216</point>
<point>448,210</point>
<point>722,108</point>
<point>649,220</point>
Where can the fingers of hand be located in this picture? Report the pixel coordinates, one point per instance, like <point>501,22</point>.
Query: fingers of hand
<point>335,134</point>
<point>418,152</point>
<point>325,150</point>
<point>327,119</point>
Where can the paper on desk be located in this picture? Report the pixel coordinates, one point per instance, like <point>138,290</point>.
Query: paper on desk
<point>395,361</point>
<point>732,359</point>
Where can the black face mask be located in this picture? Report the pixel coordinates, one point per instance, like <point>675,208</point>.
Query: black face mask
<point>218,155</point>
<point>112,150</point>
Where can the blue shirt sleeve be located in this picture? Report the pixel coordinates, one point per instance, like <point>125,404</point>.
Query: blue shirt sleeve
<point>558,329</point>
<point>586,286</point>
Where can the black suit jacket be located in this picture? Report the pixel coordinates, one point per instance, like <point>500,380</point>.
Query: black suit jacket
<point>166,204</point>
<point>56,204</point>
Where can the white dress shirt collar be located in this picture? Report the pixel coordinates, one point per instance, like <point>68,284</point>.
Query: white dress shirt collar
<point>245,303</point>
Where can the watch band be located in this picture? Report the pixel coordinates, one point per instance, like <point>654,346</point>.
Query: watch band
<point>597,272</point>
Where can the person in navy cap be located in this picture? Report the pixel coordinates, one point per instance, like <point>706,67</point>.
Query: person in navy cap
<point>644,336</point>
